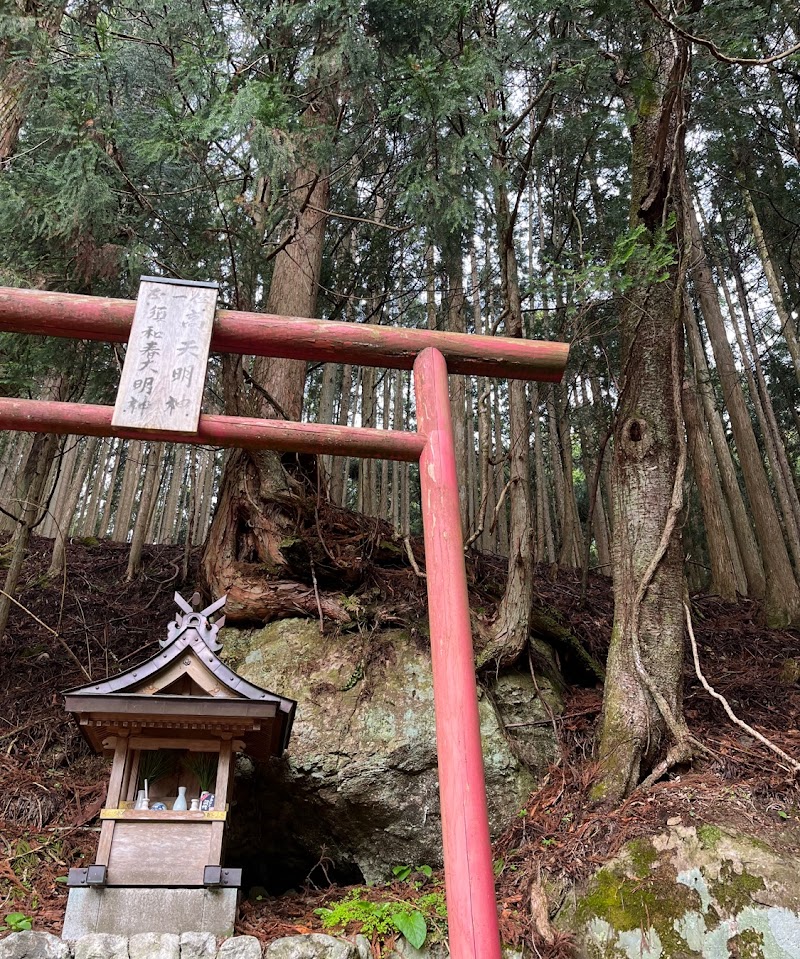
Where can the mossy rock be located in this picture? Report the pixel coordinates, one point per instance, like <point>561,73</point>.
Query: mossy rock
<point>359,782</point>
<point>689,893</point>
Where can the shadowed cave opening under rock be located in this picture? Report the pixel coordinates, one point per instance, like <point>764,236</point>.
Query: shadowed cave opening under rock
<point>277,839</point>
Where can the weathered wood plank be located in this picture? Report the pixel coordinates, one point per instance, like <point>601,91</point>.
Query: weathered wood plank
<point>162,381</point>
<point>159,853</point>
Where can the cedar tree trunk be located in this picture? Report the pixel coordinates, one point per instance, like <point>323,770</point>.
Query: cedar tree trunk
<point>642,701</point>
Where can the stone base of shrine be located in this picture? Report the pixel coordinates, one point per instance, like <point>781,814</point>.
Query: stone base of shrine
<point>126,911</point>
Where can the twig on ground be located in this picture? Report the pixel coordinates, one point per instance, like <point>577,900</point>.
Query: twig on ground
<point>50,629</point>
<point>316,596</point>
<point>726,705</point>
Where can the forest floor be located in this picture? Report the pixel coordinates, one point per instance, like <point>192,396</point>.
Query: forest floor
<point>91,623</point>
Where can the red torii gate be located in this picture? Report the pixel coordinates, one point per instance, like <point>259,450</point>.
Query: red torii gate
<point>471,905</point>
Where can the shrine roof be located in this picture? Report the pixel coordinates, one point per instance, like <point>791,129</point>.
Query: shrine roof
<point>185,679</point>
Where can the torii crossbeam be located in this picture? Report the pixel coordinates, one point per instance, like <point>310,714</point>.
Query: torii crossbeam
<point>471,905</point>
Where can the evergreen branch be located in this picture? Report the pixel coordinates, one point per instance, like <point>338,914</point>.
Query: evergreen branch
<point>712,48</point>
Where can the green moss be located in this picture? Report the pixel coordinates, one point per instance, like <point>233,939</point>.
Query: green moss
<point>642,856</point>
<point>709,836</point>
<point>733,891</point>
<point>631,903</point>
<point>748,944</point>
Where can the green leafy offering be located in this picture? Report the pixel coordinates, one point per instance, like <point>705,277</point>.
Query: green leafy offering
<point>18,922</point>
<point>203,767</point>
<point>155,764</point>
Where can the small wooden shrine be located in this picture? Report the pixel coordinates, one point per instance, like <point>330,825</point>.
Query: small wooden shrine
<point>173,725</point>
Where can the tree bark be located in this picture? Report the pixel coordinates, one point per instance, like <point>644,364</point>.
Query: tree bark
<point>642,705</point>
<point>723,576</point>
<point>17,70</point>
<point>152,473</point>
<point>242,555</point>
<point>743,533</point>
<point>510,630</point>
<point>31,493</point>
<point>66,512</point>
<point>782,595</point>
<point>784,318</point>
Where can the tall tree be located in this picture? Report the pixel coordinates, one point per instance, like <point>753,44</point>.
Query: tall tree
<point>642,706</point>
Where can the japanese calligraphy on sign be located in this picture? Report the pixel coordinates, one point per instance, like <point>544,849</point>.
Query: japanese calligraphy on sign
<point>165,367</point>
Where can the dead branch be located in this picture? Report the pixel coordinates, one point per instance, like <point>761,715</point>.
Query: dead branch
<point>726,705</point>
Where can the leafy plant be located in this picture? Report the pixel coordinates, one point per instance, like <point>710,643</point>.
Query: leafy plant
<point>403,873</point>
<point>415,919</point>
<point>203,766</point>
<point>155,764</point>
<point>17,922</point>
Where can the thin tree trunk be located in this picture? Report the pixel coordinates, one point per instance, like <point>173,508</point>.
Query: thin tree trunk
<point>745,539</point>
<point>786,322</point>
<point>134,463</point>
<point>327,395</point>
<point>782,489</point>
<point>105,518</point>
<point>383,496</point>
<point>31,493</point>
<point>157,508</point>
<point>454,308</point>
<point>67,510</point>
<point>89,521</point>
<point>557,469</point>
<point>366,467</point>
<point>152,472</point>
<point>339,465</point>
<point>486,490</point>
<point>500,515</point>
<point>723,576</point>
<point>782,597</point>
<point>61,471</point>
<point>766,398</point>
<point>170,517</point>
<point>510,629</point>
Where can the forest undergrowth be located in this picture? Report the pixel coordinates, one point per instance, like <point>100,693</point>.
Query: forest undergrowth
<point>91,623</point>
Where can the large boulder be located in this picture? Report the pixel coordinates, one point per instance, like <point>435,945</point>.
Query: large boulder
<point>358,787</point>
<point>692,892</point>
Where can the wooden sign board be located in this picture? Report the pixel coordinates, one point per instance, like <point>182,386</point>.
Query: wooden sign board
<point>164,373</point>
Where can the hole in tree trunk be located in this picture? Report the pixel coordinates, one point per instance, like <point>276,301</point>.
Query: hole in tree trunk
<point>635,432</point>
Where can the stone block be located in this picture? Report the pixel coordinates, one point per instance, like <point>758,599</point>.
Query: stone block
<point>33,945</point>
<point>363,947</point>
<point>240,947</point>
<point>154,945</point>
<point>314,946</point>
<point>101,946</point>
<point>198,945</point>
<point>129,911</point>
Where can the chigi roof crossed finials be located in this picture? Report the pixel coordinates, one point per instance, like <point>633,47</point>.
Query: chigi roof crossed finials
<point>186,685</point>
